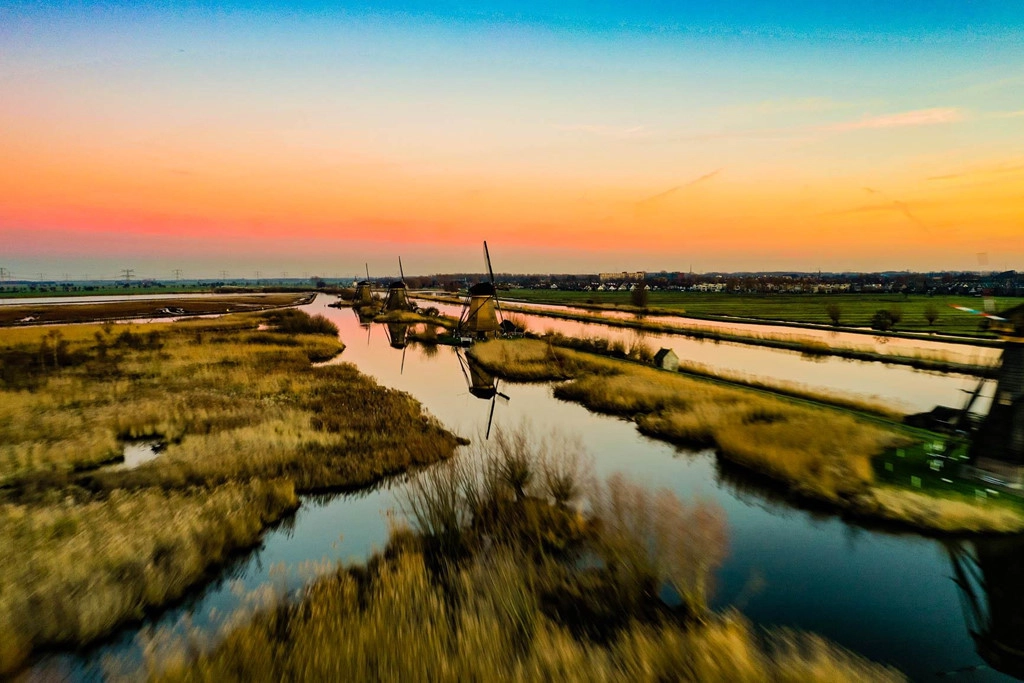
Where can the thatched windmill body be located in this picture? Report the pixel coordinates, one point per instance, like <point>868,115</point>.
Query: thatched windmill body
<point>999,444</point>
<point>480,315</point>
<point>364,291</point>
<point>398,294</point>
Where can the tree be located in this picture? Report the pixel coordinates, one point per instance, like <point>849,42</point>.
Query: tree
<point>835,313</point>
<point>639,296</point>
<point>931,314</point>
<point>882,320</point>
<point>896,315</point>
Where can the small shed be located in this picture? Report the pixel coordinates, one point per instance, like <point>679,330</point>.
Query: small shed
<point>666,359</point>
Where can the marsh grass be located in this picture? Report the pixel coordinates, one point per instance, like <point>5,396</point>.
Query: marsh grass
<point>507,607</point>
<point>815,451</point>
<point>247,420</point>
<point>75,569</point>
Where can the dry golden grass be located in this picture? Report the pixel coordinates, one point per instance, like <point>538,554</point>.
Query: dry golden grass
<point>247,419</point>
<point>73,570</point>
<point>403,626</point>
<point>232,402</point>
<point>515,605</point>
<point>949,513</point>
<point>817,452</point>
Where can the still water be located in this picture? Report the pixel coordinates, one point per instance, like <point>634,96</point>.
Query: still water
<point>890,597</point>
<point>895,385</point>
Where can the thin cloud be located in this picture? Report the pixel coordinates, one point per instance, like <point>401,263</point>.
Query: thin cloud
<point>652,203</point>
<point>918,117</point>
<point>704,178</point>
<point>891,204</point>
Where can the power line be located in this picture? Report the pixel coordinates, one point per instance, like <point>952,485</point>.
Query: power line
<point>177,274</point>
<point>128,272</point>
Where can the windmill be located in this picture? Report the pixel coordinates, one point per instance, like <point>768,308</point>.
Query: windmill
<point>479,319</point>
<point>481,384</point>
<point>364,292</point>
<point>398,293</point>
<point>997,447</point>
<point>398,338</point>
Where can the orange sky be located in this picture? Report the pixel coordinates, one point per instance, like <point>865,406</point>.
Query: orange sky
<point>586,157</point>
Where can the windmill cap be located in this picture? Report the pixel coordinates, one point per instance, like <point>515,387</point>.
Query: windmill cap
<point>398,284</point>
<point>481,289</point>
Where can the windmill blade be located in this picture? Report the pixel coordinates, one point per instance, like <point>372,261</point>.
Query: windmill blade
<point>970,402</point>
<point>487,258</point>
<point>367,271</point>
<point>490,420</point>
<point>463,365</point>
<point>401,371</point>
<point>369,328</point>
<point>490,272</point>
<point>497,392</point>
<point>972,311</point>
<point>401,272</point>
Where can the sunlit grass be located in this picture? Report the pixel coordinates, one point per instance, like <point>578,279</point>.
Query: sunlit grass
<point>246,418</point>
<point>816,451</point>
<point>515,602</point>
<point>74,569</point>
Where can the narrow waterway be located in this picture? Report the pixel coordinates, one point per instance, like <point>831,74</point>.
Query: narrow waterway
<point>883,344</point>
<point>895,385</point>
<point>888,596</point>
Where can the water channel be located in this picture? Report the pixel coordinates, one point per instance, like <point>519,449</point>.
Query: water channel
<point>890,597</point>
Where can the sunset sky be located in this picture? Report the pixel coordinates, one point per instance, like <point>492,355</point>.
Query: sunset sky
<point>573,136</point>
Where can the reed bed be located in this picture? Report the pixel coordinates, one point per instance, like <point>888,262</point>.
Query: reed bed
<point>815,451</point>
<point>515,602</point>
<point>76,568</point>
<point>247,420</point>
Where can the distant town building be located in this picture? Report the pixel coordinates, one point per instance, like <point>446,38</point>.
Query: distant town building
<point>623,276</point>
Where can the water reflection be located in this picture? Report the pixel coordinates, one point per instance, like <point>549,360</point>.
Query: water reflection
<point>885,596</point>
<point>899,386</point>
<point>481,384</point>
<point>989,574</point>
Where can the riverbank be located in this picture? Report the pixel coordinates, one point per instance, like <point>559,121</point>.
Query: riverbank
<point>817,452</point>
<point>814,311</point>
<point>248,421</point>
<point>520,566</point>
<point>928,362</point>
<point>29,314</point>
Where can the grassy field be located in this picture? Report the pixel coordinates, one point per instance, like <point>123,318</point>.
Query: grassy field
<point>505,577</point>
<point>856,310</point>
<point>817,452</point>
<point>50,314</point>
<point>246,418</point>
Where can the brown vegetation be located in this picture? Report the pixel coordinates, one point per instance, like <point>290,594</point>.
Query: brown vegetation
<point>246,419</point>
<point>817,452</point>
<point>492,586</point>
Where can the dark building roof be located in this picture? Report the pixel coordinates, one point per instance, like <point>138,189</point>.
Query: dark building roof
<point>482,289</point>
<point>660,355</point>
